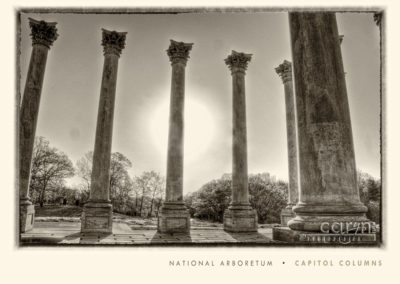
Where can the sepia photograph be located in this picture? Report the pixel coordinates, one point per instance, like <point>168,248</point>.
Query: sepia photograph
<point>199,127</point>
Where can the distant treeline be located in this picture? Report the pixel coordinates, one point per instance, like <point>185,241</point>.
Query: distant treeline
<point>143,195</point>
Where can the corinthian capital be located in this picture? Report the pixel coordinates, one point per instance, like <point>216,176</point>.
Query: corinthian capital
<point>238,61</point>
<point>113,42</point>
<point>284,70</point>
<point>178,52</point>
<point>43,33</point>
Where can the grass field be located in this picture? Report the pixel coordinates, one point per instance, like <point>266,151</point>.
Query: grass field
<point>58,211</point>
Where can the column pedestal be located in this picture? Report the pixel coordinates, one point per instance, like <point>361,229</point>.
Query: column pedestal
<point>311,218</point>
<point>284,234</point>
<point>174,218</point>
<point>240,219</point>
<point>286,215</point>
<point>97,217</point>
<point>26,216</point>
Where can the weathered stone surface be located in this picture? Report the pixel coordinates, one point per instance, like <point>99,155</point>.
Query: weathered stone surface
<point>97,215</point>
<point>327,170</point>
<point>240,220</point>
<point>113,42</point>
<point>284,234</point>
<point>285,72</point>
<point>173,207</point>
<point>43,35</point>
<point>286,215</point>
<point>174,219</point>
<point>27,217</point>
<point>239,216</point>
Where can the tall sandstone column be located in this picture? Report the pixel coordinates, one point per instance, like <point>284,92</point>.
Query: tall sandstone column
<point>328,178</point>
<point>174,216</point>
<point>240,216</point>
<point>284,70</point>
<point>43,35</point>
<point>97,212</point>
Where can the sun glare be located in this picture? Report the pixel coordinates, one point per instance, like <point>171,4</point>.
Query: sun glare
<point>198,133</point>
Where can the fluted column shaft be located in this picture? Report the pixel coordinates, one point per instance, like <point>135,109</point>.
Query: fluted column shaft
<point>43,35</point>
<point>100,179</point>
<point>174,183</point>
<point>240,190</point>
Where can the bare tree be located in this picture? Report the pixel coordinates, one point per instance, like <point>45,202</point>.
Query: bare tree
<point>49,169</point>
<point>84,169</point>
<point>119,176</point>
<point>151,186</point>
<point>121,184</point>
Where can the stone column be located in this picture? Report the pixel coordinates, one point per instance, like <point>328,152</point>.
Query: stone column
<point>285,72</point>
<point>240,216</point>
<point>97,212</point>
<point>174,216</point>
<point>43,35</point>
<point>327,169</point>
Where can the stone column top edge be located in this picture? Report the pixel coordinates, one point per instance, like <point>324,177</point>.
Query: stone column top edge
<point>113,31</point>
<point>32,20</point>
<point>187,44</point>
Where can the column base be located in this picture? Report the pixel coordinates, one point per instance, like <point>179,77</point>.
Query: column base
<point>240,218</point>
<point>97,217</point>
<point>173,218</point>
<point>286,215</point>
<point>26,216</point>
<point>319,218</point>
<point>286,235</point>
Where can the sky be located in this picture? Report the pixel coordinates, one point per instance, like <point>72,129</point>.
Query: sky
<point>71,89</point>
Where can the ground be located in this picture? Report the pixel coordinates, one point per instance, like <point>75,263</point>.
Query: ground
<point>61,225</point>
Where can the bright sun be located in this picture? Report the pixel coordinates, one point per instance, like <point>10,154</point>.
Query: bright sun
<point>198,133</point>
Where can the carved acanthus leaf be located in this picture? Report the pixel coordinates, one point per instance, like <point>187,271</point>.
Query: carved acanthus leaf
<point>44,33</point>
<point>113,42</point>
<point>284,70</point>
<point>179,51</point>
<point>238,61</point>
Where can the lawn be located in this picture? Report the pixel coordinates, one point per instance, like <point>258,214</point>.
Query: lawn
<point>58,211</point>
